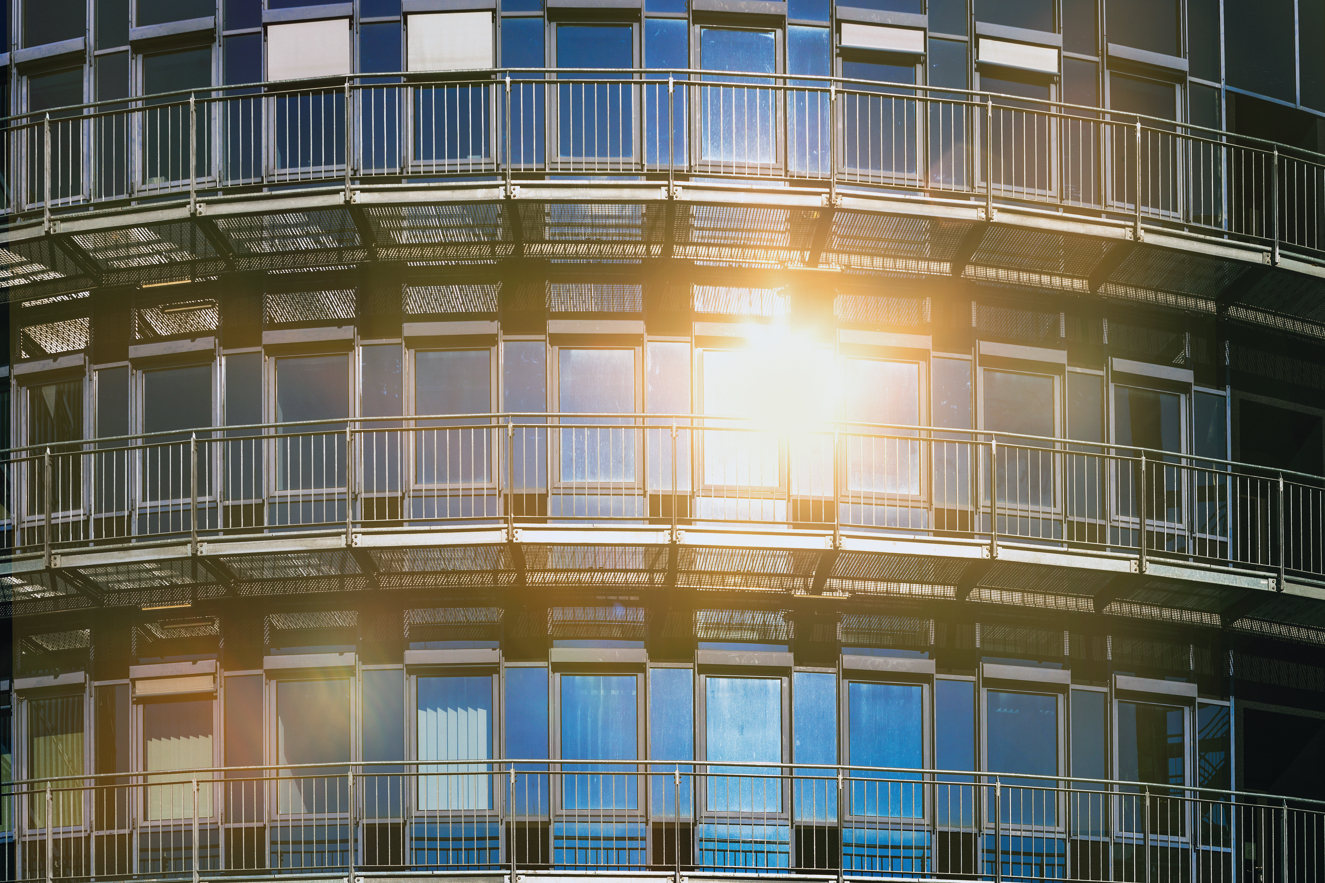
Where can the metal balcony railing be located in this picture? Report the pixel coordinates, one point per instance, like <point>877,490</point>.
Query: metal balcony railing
<point>666,125</point>
<point>494,817</point>
<point>665,470</point>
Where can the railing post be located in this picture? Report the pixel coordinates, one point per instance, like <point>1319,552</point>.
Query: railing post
<point>676,499</point>
<point>510,502</point>
<point>1145,837</point>
<point>838,462</point>
<point>508,173</point>
<point>354,826</point>
<point>510,816</point>
<point>50,843</point>
<point>193,153</point>
<point>1274,209</point>
<point>46,501</point>
<point>1283,842</point>
<point>989,159</point>
<point>676,827</point>
<point>993,496</point>
<point>46,172</point>
<point>349,485</point>
<point>1283,547</point>
<point>671,153</point>
<point>349,138</point>
<point>841,829</point>
<point>998,831</point>
<point>1137,231</point>
<point>193,493</point>
<point>196,870</point>
<point>1141,512</point>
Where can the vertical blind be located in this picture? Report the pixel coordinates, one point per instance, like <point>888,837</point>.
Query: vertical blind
<point>177,736</point>
<point>455,723</point>
<point>55,750</point>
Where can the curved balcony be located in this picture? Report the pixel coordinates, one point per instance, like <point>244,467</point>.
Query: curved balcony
<point>765,171</point>
<point>490,819</point>
<point>700,502</point>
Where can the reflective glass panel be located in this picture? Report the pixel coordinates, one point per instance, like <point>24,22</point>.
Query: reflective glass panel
<point>881,138</point>
<point>887,730</point>
<point>453,382</point>
<point>111,23</point>
<point>155,12</point>
<point>1023,405</point>
<point>244,800</point>
<point>383,728</point>
<point>1214,770</point>
<point>598,722</point>
<point>380,441</point>
<point>948,17</point>
<point>114,754</point>
<point>666,47</point>
<point>177,736</point>
<point>1090,760</point>
<point>952,460</point>
<point>524,392</point>
<point>732,386</point>
<point>526,729</point>
<point>312,727</point>
<point>166,121</point>
<point>814,735</point>
<point>54,751</point>
<point>1152,25</point>
<point>738,120</point>
<point>596,119</point>
<point>50,21</point>
<point>49,91</point>
<point>672,737</point>
<point>1022,734</point>
<point>1080,27</point>
<point>887,394</point>
<point>1035,15</point>
<point>311,388</point>
<point>743,724</point>
<point>1146,418</point>
<point>176,399</point>
<point>597,381</point>
<point>455,724</point>
<point>1152,748</point>
<point>55,415</point>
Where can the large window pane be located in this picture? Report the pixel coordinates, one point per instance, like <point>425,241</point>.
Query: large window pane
<point>1160,151</point>
<point>730,387</point>
<point>597,381</point>
<point>667,391</point>
<point>522,46</point>
<point>887,730</point>
<point>312,727</point>
<point>1214,770</point>
<point>1152,25</point>
<point>241,114</point>
<point>243,466</point>
<point>596,120</point>
<point>952,459</point>
<point>814,734</point>
<point>176,399</point>
<point>1090,760</point>
<point>453,382</point>
<point>886,393</point>
<point>245,801</point>
<point>1036,15</point>
<point>311,388</point>
<point>672,737</point>
<point>166,121</point>
<point>1022,405</point>
<point>1021,137</point>
<point>383,730</point>
<point>744,725</point>
<point>954,717</point>
<point>455,724</point>
<point>524,393</point>
<point>598,722</point>
<point>809,53</point>
<point>1152,748</point>
<point>1145,418</point>
<point>380,440</point>
<point>379,103</point>
<point>1022,732</point>
<point>949,116</point>
<point>110,133</point>
<point>738,121</point>
<point>881,140</point>
<point>666,47</point>
<point>55,417</point>
<point>55,751</point>
<point>51,91</point>
<point>1258,47</point>
<point>177,736</point>
<point>50,21</point>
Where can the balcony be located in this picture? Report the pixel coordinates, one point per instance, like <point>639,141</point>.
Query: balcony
<point>648,165</point>
<point>630,500</point>
<point>491,819</point>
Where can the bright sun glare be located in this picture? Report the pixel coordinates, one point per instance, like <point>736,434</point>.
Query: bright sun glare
<point>790,382</point>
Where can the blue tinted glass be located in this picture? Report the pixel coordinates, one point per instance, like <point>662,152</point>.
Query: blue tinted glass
<point>954,707</point>
<point>808,10</point>
<point>155,12</point>
<point>947,64</point>
<point>454,719</point>
<point>242,14</point>
<point>241,59</point>
<point>877,72</point>
<point>522,42</point>
<point>1089,755</point>
<point>665,43</point>
<point>379,48</point>
<point>809,51</point>
<point>376,8</point>
<point>947,17</point>
<point>1023,733</point>
<point>664,5</point>
<point>672,714</point>
<point>887,730</point>
<point>814,717</point>
<point>602,47</point>
<point>522,6</point>
<point>915,7</point>
<point>598,722</point>
<point>526,712</point>
<point>744,724</point>
<point>727,49</point>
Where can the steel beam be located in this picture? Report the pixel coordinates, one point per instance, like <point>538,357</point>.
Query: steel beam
<point>969,245</point>
<point>1111,261</point>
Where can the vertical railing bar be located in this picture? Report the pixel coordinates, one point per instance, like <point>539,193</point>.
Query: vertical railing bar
<point>193,493</point>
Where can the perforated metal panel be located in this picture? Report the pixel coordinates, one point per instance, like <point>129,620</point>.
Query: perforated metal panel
<point>1019,639</point>
<point>436,300</point>
<point>176,318</point>
<point>739,301</point>
<point>180,249</point>
<point>312,619</point>
<point>1039,251</point>
<point>885,310</point>
<point>601,623</point>
<point>464,232</point>
<point>293,239</point>
<point>1020,323</point>
<point>1180,279</point>
<point>304,307</point>
<point>54,338</point>
<point>885,630</point>
<point>744,626</point>
<point>594,297</point>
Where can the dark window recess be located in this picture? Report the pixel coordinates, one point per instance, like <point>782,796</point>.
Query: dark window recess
<point>521,42</point>
<point>1280,753</point>
<point>50,21</point>
<point>1311,37</point>
<point>1152,98</point>
<point>1080,27</point>
<point>112,23</point>
<point>241,60</point>
<point>1280,438</point>
<point>379,48</point>
<point>242,14</point>
<point>1204,101</point>
<point>378,8</point>
<point>947,17</point>
<point>522,5</point>
<point>1259,47</point>
<point>1203,37</point>
<point>1274,122</point>
<point>155,12</point>
<point>1036,15</point>
<point>1081,82</point>
<point>1151,25</point>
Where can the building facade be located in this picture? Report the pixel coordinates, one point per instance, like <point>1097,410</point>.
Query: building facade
<point>663,438</point>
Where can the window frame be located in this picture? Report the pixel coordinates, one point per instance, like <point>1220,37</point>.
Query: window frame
<point>560,811</point>
<point>890,676</point>
<point>26,809</point>
<point>918,501</point>
<point>209,476</point>
<point>915,108</point>
<point>272,359</point>
<point>271,740</point>
<point>208,133</point>
<point>413,449</point>
<point>633,487</point>
<point>570,161</point>
<point>423,670</point>
<point>702,763</point>
<point>1139,692</point>
<point>1034,511</point>
<point>1160,385</point>
<point>138,737</point>
<point>76,448</point>
<point>1058,688</point>
<point>699,162</point>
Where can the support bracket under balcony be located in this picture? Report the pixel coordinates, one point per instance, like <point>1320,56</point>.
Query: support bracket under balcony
<point>975,572</point>
<point>1241,286</point>
<point>1241,607</point>
<point>1112,260</point>
<point>364,229</point>
<point>207,227</point>
<point>514,223</point>
<point>967,248</point>
<point>823,229</point>
<point>86,587</point>
<point>366,564</point>
<point>1114,589</point>
<point>222,574</point>
<point>823,570</point>
<point>81,258</point>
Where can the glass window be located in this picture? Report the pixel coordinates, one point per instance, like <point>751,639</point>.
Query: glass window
<point>590,114</point>
<point>526,729</point>
<point>667,391</point>
<point>114,754</point>
<point>887,729</point>
<point>672,737</point>
<point>112,402</point>
<point>948,17</point>
<point>807,10</point>
<point>383,727</point>
<point>244,800</point>
<point>379,49</point>
<point>522,6</point>
<point>809,51</point>
<point>50,21</point>
<point>241,119</point>
<point>1152,748</point>
<point>599,715</point>
<point>242,14</point>
<point>112,23</point>
<point>378,8</point>
<point>1022,737</point>
<point>166,126</point>
<point>1214,770</point>
<point>312,727</point>
<point>954,749</point>
<point>55,416</point>
<point>1024,405</point>
<point>1037,15</point>
<point>1152,25</point>
<point>743,724</point>
<point>48,91</point>
<point>888,394</point>
<point>522,40</point>
<point>311,388</point>
<point>55,751</point>
<point>1146,418</point>
<point>1203,36</point>
<point>913,7</point>
<point>1080,27</point>
<point>524,392</point>
<point>453,382</point>
<point>597,381</point>
<point>737,120</point>
<point>1258,47</point>
<point>814,734</point>
<point>1090,760</point>
<point>678,6</point>
<point>6,760</point>
<point>380,396</point>
<point>454,724</point>
<point>177,735</point>
<point>952,393</point>
<point>242,479</point>
<point>1152,98</point>
<point>666,47</point>
<point>176,399</point>
<point>155,12</point>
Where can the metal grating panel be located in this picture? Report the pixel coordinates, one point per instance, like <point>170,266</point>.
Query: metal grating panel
<point>455,232</point>
<point>296,565</point>
<point>885,630</point>
<point>746,626</point>
<point>1038,251</point>
<point>293,239</point>
<point>1282,630</point>
<point>1045,580</point>
<point>181,627</point>
<point>452,559</point>
<point>55,642</point>
<point>870,309</point>
<point>312,619</point>
<point>53,338</point>
<point>437,300</point>
<point>147,575</point>
<point>918,239</point>
<point>594,297</point>
<point>176,319</point>
<point>1148,273</point>
<point>1021,639</point>
<point>1018,323</point>
<point>180,246</point>
<point>617,622</point>
<point>751,562</point>
<point>734,301</point>
<point>1154,613</point>
<point>851,587</point>
<point>898,568</point>
<point>1036,600</point>
<point>302,307</point>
